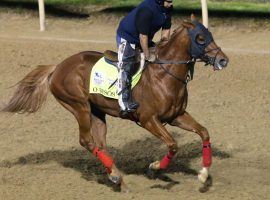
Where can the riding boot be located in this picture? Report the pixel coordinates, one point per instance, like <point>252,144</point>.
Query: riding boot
<point>125,96</point>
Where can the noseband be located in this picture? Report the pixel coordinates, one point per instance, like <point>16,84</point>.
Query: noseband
<point>210,60</point>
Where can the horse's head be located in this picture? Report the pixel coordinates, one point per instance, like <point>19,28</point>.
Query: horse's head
<point>203,45</point>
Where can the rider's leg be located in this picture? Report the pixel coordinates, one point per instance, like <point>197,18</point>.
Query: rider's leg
<point>126,57</point>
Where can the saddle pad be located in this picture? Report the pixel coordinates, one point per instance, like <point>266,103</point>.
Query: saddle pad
<point>103,75</point>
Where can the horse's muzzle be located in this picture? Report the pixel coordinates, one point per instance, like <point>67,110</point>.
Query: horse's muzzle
<point>221,63</point>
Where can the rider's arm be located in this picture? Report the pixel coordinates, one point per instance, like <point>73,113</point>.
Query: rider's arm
<point>165,33</point>
<point>144,45</point>
<point>143,24</point>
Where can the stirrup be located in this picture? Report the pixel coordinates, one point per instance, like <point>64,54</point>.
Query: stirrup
<point>132,107</point>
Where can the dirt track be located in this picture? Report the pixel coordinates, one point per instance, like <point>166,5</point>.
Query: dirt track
<point>42,159</point>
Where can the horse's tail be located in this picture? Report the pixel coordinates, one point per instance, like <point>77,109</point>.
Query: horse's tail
<point>31,92</point>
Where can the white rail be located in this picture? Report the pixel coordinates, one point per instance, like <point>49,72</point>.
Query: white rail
<point>204,13</point>
<point>41,15</point>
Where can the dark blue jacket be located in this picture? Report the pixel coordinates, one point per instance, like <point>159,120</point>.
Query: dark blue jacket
<point>127,27</point>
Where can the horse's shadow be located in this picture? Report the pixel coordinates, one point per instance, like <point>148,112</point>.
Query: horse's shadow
<point>132,158</point>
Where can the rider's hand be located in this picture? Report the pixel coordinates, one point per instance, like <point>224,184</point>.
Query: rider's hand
<point>151,57</point>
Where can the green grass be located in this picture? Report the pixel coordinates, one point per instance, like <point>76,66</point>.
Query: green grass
<point>190,4</point>
<point>213,5</point>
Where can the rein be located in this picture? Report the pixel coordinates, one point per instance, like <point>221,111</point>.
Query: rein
<point>190,64</point>
<point>175,62</point>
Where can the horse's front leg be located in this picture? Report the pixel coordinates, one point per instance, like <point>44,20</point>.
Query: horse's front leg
<point>185,121</point>
<point>156,128</point>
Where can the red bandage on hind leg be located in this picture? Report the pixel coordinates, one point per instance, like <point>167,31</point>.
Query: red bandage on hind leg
<point>106,160</point>
<point>164,163</point>
<point>207,154</point>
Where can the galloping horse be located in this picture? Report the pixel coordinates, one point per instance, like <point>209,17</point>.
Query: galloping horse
<point>163,84</point>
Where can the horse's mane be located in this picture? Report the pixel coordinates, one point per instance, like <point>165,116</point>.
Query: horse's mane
<point>163,43</point>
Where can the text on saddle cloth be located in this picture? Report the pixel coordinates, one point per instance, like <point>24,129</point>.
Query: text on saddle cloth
<point>103,75</point>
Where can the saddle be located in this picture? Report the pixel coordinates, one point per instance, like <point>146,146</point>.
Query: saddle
<point>112,58</point>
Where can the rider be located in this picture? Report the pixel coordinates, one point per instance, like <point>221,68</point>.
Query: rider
<point>137,29</point>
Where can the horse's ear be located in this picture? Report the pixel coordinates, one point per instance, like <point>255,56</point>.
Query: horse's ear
<point>187,24</point>
<point>193,18</point>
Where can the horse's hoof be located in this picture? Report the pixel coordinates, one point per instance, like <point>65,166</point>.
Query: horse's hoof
<point>151,174</point>
<point>154,170</point>
<point>155,165</point>
<point>206,185</point>
<point>203,175</point>
<point>115,179</point>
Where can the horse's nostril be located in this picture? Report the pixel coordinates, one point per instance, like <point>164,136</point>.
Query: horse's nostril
<point>223,62</point>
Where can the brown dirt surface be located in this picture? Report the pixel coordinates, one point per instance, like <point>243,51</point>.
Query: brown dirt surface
<point>40,154</point>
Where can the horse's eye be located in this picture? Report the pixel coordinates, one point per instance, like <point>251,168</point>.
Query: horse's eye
<point>200,39</point>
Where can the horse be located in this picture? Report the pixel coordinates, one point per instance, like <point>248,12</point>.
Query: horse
<point>161,92</point>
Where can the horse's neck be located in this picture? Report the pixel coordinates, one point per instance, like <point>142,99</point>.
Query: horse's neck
<point>177,49</point>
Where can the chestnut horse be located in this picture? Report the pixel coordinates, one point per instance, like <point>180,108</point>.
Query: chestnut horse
<point>161,92</point>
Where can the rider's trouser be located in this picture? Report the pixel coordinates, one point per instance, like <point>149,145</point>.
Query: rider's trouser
<point>126,59</point>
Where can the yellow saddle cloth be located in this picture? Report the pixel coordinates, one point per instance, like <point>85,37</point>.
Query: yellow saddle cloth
<point>103,75</point>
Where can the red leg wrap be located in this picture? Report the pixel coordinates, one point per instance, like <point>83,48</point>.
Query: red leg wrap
<point>207,154</point>
<point>106,160</point>
<point>164,163</point>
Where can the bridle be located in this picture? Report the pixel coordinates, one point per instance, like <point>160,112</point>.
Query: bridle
<point>210,60</point>
<point>197,51</point>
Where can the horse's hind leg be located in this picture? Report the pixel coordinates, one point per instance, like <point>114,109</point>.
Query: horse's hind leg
<point>99,130</point>
<point>186,122</point>
<point>82,113</point>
